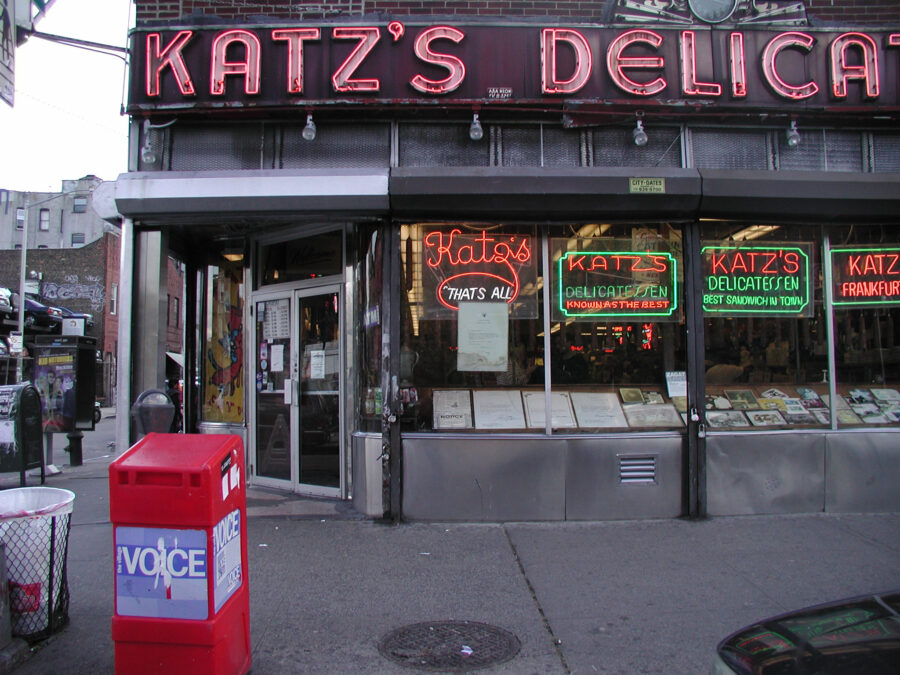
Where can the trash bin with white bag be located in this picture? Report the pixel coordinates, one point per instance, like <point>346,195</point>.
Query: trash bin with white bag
<point>34,525</point>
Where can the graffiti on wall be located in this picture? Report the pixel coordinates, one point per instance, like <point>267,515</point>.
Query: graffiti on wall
<point>73,288</point>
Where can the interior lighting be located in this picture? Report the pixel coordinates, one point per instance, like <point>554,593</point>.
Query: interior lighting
<point>792,135</point>
<point>309,131</point>
<point>476,132</point>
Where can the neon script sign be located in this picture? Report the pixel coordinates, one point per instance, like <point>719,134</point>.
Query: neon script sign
<point>866,276</point>
<point>760,280</point>
<point>396,62</point>
<point>482,267</point>
<point>616,284</point>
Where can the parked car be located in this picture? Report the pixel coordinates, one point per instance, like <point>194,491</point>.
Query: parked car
<point>69,314</point>
<point>6,304</point>
<point>854,635</point>
<point>39,314</point>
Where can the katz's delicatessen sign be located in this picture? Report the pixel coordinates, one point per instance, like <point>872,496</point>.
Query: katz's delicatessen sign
<point>415,62</point>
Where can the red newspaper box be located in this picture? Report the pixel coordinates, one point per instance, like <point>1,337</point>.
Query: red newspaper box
<point>178,508</point>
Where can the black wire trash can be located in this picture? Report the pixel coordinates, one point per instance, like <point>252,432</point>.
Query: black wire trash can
<point>34,525</point>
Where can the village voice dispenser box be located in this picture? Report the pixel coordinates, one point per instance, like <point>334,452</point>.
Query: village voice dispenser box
<point>178,507</point>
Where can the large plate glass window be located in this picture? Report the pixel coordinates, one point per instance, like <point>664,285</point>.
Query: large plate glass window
<point>766,340</point>
<point>865,269</point>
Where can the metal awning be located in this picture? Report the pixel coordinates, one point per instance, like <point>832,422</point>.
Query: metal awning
<point>155,195</point>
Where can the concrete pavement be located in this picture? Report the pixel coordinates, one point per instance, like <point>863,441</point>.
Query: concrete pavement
<point>608,597</point>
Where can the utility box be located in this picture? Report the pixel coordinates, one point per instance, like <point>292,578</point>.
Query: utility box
<point>179,515</point>
<point>21,438</point>
<point>65,375</point>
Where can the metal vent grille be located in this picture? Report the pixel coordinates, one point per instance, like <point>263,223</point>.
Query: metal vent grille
<point>732,149</point>
<point>637,469</point>
<point>821,150</point>
<point>220,148</point>
<point>337,146</point>
<point>887,152</point>
<point>615,147</point>
<point>441,145</point>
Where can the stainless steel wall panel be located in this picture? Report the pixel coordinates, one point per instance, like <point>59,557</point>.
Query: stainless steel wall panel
<point>483,479</point>
<point>596,488</point>
<point>863,472</point>
<point>765,473</point>
<point>366,474</point>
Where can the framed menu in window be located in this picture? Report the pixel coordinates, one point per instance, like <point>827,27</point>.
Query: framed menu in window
<point>561,415</point>
<point>498,409</point>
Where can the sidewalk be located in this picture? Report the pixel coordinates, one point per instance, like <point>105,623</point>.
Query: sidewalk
<point>326,586</point>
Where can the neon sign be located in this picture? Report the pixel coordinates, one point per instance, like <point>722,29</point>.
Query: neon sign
<point>616,284</point>
<point>757,280</point>
<point>478,267</point>
<point>865,276</point>
<point>399,63</point>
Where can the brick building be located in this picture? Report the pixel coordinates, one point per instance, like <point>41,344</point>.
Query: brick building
<point>527,260</point>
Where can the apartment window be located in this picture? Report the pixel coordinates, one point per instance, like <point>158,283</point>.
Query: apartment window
<point>113,298</point>
<point>177,310</point>
<point>20,218</point>
<point>168,310</point>
<point>79,205</point>
<point>77,239</point>
<point>44,222</point>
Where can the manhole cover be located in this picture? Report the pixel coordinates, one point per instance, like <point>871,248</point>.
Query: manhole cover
<point>449,646</point>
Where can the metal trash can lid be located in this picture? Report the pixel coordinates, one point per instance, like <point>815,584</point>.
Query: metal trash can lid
<point>28,502</point>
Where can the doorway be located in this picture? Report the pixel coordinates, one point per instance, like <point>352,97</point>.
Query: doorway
<point>299,416</point>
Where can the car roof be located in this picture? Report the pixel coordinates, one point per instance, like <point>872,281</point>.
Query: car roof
<point>854,635</point>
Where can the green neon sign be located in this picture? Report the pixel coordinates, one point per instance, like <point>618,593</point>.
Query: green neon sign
<point>865,277</point>
<point>617,284</point>
<point>757,280</point>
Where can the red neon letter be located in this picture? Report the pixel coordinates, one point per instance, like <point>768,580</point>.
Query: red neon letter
<point>295,38</point>
<point>249,67</point>
<point>367,38</point>
<point>770,71</point>
<point>170,56</point>
<point>616,63</point>
<point>550,83</point>
<point>456,67</point>
<point>689,84</point>
<point>738,72</point>
<point>841,71</point>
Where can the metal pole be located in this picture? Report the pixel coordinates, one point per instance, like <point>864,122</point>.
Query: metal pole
<point>22,263</point>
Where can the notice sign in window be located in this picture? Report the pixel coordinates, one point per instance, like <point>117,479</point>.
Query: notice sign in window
<point>757,280</point>
<point>865,276</point>
<point>616,284</point>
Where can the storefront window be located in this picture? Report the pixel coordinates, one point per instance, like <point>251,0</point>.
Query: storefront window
<point>472,355</point>
<point>766,341</point>
<point>222,355</point>
<point>369,282</point>
<point>617,335</point>
<point>471,325</point>
<point>865,262</point>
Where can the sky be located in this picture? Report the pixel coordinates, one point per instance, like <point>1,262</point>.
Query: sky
<point>66,122</point>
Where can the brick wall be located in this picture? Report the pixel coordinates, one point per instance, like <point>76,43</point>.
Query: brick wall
<point>819,11</point>
<point>111,321</point>
<point>74,278</point>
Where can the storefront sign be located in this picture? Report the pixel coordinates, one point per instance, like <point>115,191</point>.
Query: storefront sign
<point>757,280</point>
<point>397,63</point>
<point>865,276</point>
<point>617,284</point>
<point>478,267</point>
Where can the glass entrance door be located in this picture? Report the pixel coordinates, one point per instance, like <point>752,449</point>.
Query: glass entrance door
<point>319,390</point>
<point>298,412</point>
